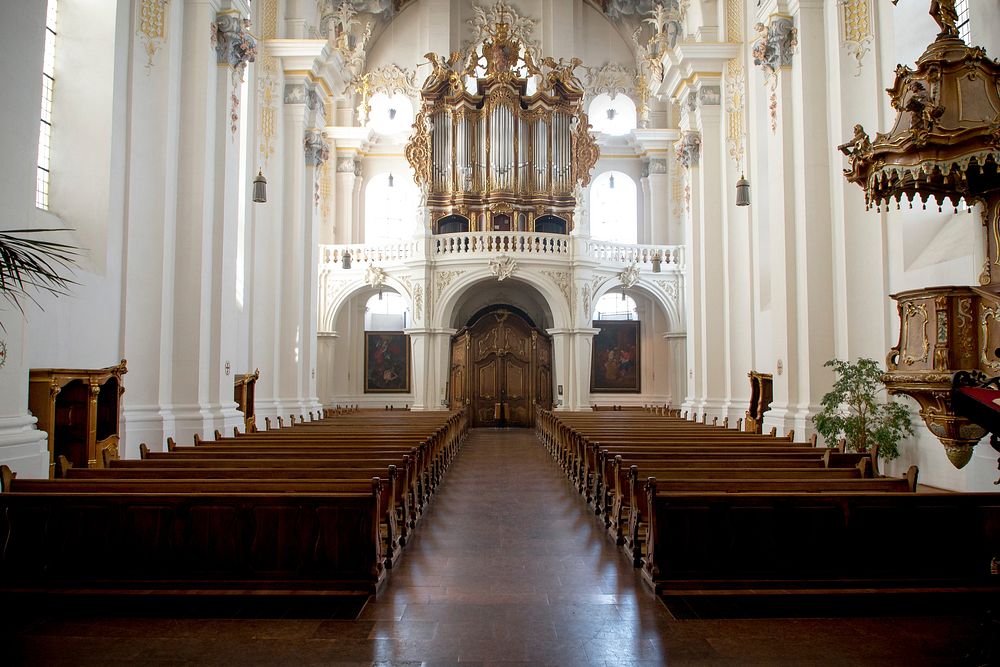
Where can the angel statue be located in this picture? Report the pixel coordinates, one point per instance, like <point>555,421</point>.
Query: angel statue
<point>945,15</point>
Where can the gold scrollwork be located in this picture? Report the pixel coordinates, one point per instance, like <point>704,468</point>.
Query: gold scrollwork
<point>984,350</point>
<point>912,310</point>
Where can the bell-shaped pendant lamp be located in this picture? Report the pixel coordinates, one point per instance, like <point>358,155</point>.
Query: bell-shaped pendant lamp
<point>391,179</point>
<point>345,259</point>
<point>260,188</point>
<point>743,192</point>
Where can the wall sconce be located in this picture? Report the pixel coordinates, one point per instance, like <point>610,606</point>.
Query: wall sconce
<point>345,259</point>
<point>259,188</point>
<point>742,192</point>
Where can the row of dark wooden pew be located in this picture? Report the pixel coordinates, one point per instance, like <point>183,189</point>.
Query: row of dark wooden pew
<point>712,511</point>
<point>323,507</point>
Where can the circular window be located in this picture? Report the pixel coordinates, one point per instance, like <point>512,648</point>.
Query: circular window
<point>390,115</point>
<point>612,116</point>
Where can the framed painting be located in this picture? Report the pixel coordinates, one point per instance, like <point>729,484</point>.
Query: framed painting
<point>387,362</point>
<point>615,363</point>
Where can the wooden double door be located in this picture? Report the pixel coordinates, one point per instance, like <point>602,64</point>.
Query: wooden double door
<point>501,366</point>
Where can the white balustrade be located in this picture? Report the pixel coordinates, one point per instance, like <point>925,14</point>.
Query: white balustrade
<point>558,247</point>
<point>671,257</point>
<point>472,243</point>
<point>363,253</point>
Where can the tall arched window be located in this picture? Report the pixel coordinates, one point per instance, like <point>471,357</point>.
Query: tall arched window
<point>614,208</point>
<point>386,311</point>
<point>612,116</point>
<point>616,306</point>
<point>390,208</point>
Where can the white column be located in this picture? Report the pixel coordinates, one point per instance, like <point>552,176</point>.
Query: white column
<point>22,26</point>
<point>430,351</point>
<point>150,217</point>
<point>207,198</point>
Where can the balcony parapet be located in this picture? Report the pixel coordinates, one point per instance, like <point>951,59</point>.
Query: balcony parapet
<point>468,246</point>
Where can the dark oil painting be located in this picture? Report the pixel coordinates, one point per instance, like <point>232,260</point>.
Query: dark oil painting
<point>615,365</point>
<point>387,362</point>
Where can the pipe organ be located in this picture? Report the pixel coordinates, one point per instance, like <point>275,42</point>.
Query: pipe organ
<point>490,156</point>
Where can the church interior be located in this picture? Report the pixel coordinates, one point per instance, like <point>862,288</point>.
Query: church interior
<point>347,331</point>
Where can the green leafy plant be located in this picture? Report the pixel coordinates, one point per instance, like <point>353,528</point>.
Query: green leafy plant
<point>29,265</point>
<point>852,410</point>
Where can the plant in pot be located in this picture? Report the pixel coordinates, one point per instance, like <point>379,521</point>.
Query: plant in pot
<point>853,410</point>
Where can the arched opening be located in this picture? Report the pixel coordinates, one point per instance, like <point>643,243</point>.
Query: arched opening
<point>550,224</point>
<point>387,347</point>
<point>453,224</point>
<point>615,365</point>
<point>614,208</point>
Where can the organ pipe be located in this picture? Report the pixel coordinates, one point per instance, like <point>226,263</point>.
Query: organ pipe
<point>494,149</point>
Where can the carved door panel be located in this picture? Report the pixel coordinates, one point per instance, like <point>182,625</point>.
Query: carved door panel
<point>486,390</point>
<point>495,369</point>
<point>516,391</point>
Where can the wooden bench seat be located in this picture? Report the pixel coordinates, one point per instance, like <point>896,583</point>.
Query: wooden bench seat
<point>768,541</point>
<point>192,543</point>
<point>390,492</point>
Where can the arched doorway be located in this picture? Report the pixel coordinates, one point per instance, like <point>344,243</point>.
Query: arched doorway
<point>501,366</point>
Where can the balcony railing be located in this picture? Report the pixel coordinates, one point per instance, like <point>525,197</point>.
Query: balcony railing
<point>670,256</point>
<point>468,245</point>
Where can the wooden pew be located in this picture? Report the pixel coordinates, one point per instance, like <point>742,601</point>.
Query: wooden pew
<point>734,543</point>
<point>387,485</point>
<point>192,543</point>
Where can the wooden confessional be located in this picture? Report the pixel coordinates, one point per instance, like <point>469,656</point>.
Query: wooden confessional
<point>501,365</point>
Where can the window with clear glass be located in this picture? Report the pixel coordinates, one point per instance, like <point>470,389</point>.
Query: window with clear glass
<point>391,201</point>
<point>962,9</point>
<point>616,305</point>
<point>386,311</point>
<point>45,124</point>
<point>614,116</point>
<point>613,208</point>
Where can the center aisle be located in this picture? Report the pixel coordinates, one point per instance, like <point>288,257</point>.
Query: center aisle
<point>508,566</point>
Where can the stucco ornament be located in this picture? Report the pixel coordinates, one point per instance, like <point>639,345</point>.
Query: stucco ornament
<point>317,150</point>
<point>375,276</point>
<point>630,276</point>
<point>775,44</point>
<point>688,149</point>
<point>502,267</point>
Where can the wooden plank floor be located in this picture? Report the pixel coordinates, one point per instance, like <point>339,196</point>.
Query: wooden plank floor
<point>506,567</point>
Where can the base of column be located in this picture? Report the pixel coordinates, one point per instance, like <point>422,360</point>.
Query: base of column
<point>23,447</point>
<point>786,419</point>
<point>205,420</point>
<point>149,424</point>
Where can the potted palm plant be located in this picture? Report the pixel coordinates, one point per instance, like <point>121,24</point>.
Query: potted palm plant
<point>30,264</point>
<point>854,411</point>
